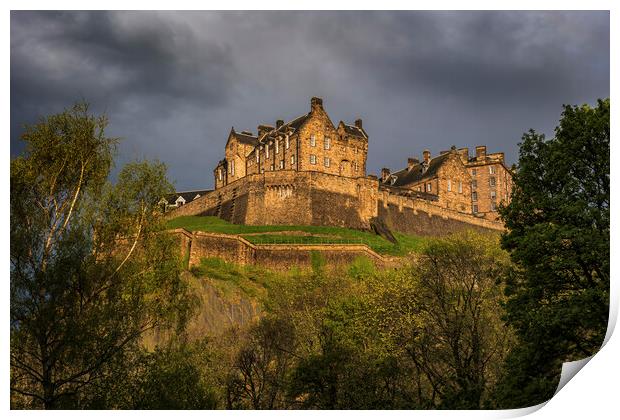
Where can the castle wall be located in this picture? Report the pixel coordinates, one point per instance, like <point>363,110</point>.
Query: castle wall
<point>290,198</point>
<point>235,249</point>
<point>418,217</point>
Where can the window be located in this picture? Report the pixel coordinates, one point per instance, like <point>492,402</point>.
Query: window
<point>282,164</point>
<point>474,196</point>
<point>292,159</point>
<point>449,185</point>
<point>312,140</point>
<point>355,166</point>
<point>271,167</point>
<point>474,172</point>
<point>492,170</point>
<point>287,144</point>
<point>313,159</point>
<point>267,151</point>
<point>219,174</point>
<point>492,181</point>
<point>428,187</point>
<point>460,187</point>
<point>326,162</point>
<point>419,188</point>
<point>326,143</point>
<point>277,147</point>
<point>475,208</point>
<point>493,206</point>
<point>355,150</point>
<point>257,155</point>
<point>474,183</point>
<point>493,195</point>
<point>232,167</point>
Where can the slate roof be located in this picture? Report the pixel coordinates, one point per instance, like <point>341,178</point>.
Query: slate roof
<point>294,124</point>
<point>245,139</point>
<point>187,195</point>
<point>416,173</point>
<point>355,131</point>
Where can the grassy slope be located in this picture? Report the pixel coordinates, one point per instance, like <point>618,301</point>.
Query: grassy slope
<point>406,243</point>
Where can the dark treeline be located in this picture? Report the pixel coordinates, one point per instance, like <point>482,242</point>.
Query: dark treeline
<point>473,321</point>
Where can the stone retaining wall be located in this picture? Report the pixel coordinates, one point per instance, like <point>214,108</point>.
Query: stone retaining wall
<point>235,249</point>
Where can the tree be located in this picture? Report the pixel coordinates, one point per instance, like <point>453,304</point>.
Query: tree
<point>558,235</point>
<point>257,380</point>
<point>90,272</point>
<point>446,315</point>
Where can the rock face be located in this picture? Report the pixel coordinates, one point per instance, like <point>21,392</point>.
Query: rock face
<point>218,312</point>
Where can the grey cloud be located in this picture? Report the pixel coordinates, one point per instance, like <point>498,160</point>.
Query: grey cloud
<point>173,83</point>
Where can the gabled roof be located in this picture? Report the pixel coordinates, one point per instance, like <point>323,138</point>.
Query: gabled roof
<point>293,124</point>
<point>243,138</point>
<point>187,195</point>
<point>417,173</point>
<point>354,130</point>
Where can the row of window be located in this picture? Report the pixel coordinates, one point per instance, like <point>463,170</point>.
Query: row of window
<point>474,207</point>
<point>474,171</point>
<point>460,186</point>
<point>474,195</point>
<point>327,162</point>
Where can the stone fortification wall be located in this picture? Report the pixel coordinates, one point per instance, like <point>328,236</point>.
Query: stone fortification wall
<point>420,217</point>
<point>235,249</point>
<point>290,198</point>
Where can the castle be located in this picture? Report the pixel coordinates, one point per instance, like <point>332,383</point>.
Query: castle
<point>310,172</point>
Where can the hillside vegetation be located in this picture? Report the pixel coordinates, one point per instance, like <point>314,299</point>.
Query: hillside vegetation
<point>301,234</point>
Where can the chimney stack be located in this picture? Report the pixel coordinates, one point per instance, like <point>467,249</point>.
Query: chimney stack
<point>385,174</point>
<point>481,152</point>
<point>316,104</point>
<point>279,123</point>
<point>427,156</point>
<point>358,123</point>
<point>262,129</point>
<point>411,162</point>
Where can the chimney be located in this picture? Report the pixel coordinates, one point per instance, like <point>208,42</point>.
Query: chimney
<point>464,153</point>
<point>385,174</point>
<point>358,123</point>
<point>481,152</point>
<point>411,162</point>
<point>262,129</point>
<point>427,156</point>
<point>316,104</point>
<point>279,123</point>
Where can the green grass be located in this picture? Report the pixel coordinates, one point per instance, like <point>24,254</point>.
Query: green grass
<point>406,243</point>
<point>230,279</point>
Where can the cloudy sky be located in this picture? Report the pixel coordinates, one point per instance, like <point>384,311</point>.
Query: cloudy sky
<point>173,83</point>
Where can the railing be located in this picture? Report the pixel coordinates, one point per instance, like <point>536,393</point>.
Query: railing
<point>303,240</point>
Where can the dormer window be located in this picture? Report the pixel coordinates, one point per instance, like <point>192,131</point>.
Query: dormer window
<point>180,201</point>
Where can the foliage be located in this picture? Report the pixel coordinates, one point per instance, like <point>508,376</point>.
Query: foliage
<point>558,236</point>
<point>90,270</point>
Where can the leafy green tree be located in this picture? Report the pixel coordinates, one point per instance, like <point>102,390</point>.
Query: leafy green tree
<point>558,235</point>
<point>444,314</point>
<point>90,274</point>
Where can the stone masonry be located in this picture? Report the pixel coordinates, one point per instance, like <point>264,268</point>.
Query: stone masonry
<point>309,171</point>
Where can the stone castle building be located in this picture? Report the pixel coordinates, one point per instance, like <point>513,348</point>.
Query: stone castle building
<point>309,171</point>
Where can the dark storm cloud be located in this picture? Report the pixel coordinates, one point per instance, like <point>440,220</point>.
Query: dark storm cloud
<point>173,83</point>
